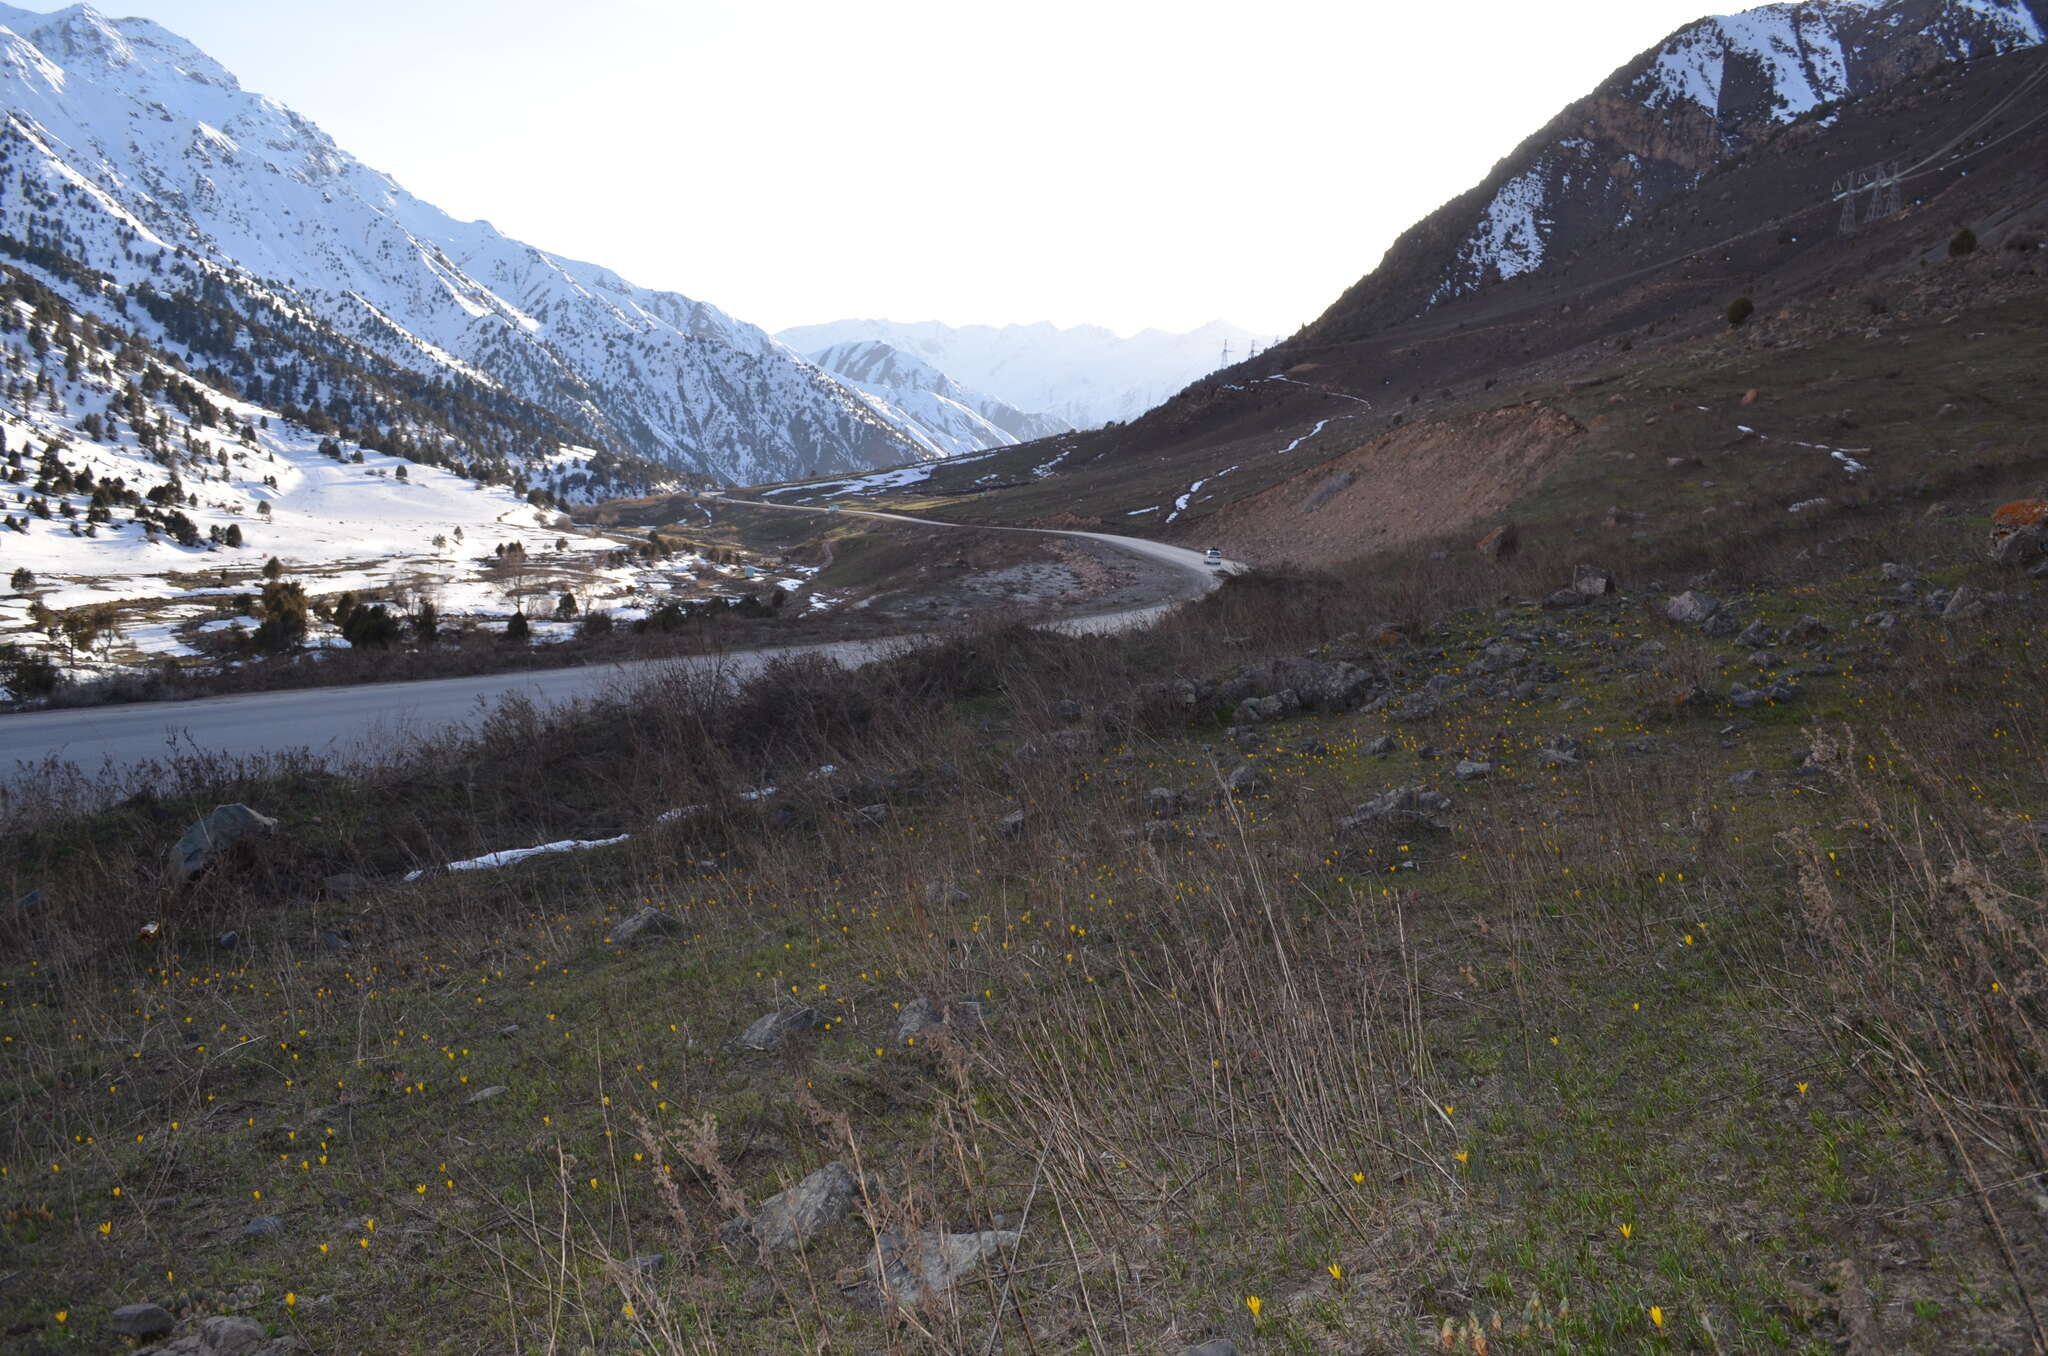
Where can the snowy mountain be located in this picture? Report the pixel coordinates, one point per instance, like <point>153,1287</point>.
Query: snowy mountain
<point>1085,376</point>
<point>928,404</point>
<point>1658,126</point>
<point>128,150</point>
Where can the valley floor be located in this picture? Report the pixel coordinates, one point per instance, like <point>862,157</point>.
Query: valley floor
<point>1529,979</point>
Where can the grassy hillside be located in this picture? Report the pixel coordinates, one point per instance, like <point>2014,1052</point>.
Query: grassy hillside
<point>1701,1021</point>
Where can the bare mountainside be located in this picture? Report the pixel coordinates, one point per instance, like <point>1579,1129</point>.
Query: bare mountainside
<point>132,153</point>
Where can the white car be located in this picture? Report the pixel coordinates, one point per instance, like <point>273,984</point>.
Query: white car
<point>1214,557</point>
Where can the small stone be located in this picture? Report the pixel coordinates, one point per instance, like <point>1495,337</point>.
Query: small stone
<point>1380,747</point>
<point>1470,770</point>
<point>263,1226</point>
<point>1746,777</point>
<point>485,1094</point>
<point>1757,636</point>
<point>1010,825</point>
<point>770,1031</point>
<point>207,841</point>
<point>921,1016</point>
<point>141,1320</point>
<point>648,925</point>
<point>941,894</point>
<point>790,1219</point>
<point>1163,802</point>
<point>1246,779</point>
<point>1966,603</point>
<point>927,1265</point>
<point>1217,1346</point>
<point>231,1335</point>
<point>1066,709</point>
<point>1691,608</point>
<point>1591,581</point>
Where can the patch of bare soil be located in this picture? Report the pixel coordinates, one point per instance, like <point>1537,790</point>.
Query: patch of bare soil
<point>1415,482</point>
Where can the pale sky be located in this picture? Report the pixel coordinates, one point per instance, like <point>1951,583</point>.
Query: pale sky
<point>797,161</point>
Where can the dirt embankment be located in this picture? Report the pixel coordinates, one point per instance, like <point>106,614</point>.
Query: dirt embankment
<point>1412,483</point>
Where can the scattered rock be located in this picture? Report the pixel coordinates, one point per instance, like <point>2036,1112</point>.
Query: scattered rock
<point>1566,598</point>
<point>263,1226</point>
<point>921,1017</point>
<point>647,1264</point>
<point>1380,747</point>
<point>1965,604</point>
<point>1898,573</point>
<point>1163,802</point>
<point>207,841</point>
<point>1691,608</point>
<point>2019,531</point>
<point>1500,655</point>
<point>875,816</point>
<point>1253,710</point>
<point>1244,779</point>
<point>1010,825</point>
<point>939,894</point>
<point>1748,698</point>
<point>1746,777</point>
<point>1806,631</point>
<point>769,1031</point>
<point>1157,832</point>
<point>907,1273</point>
<point>1403,807</point>
<point>1561,750</point>
<point>226,1335</point>
<point>1592,581</point>
<point>648,925</point>
<point>790,1219</point>
<point>1066,709</point>
<point>1757,636</point>
<point>485,1094</point>
<point>1470,770</point>
<point>142,1320</point>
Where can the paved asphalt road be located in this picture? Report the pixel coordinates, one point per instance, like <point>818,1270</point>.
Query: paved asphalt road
<point>335,722</point>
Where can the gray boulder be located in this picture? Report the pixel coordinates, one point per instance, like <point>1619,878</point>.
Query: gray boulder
<point>263,1226</point>
<point>1500,655</point>
<point>1590,581</point>
<point>1965,604</point>
<point>1163,802</point>
<point>648,925</point>
<point>1807,630</point>
<point>1244,779</point>
<point>922,1017</point>
<point>1402,807</point>
<point>1757,636</point>
<point>768,1032</point>
<point>1691,608</point>
<point>907,1272</point>
<point>207,841</point>
<point>1255,710</point>
<point>1380,747</point>
<point>142,1321</point>
<point>1471,770</point>
<point>1565,598</point>
<point>790,1219</point>
<point>226,1336</point>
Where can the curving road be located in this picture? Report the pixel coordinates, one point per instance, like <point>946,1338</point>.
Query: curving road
<point>338,724</point>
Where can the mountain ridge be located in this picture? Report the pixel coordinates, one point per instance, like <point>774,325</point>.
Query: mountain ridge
<point>163,152</point>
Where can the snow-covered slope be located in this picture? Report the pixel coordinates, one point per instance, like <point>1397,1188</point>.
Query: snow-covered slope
<point>1657,126</point>
<point>915,396</point>
<point>1085,376</point>
<point>125,146</point>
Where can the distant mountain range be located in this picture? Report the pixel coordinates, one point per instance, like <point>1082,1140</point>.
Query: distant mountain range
<point>1083,377</point>
<point>929,405</point>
